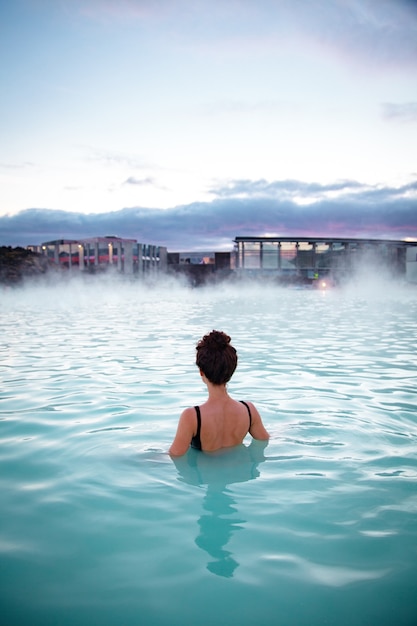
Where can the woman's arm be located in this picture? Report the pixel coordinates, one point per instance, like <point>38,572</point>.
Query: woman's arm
<point>257,429</point>
<point>185,431</point>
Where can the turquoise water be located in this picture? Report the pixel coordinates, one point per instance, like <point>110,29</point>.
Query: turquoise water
<point>99,526</point>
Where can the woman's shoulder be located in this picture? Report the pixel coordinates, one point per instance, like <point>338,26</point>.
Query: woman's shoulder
<point>189,412</point>
<point>249,405</point>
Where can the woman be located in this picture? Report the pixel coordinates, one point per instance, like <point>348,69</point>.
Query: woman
<point>221,421</point>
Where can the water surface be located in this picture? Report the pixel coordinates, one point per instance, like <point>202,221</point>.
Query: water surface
<point>99,526</point>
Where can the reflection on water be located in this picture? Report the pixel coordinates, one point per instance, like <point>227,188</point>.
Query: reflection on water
<point>216,529</point>
<point>217,471</point>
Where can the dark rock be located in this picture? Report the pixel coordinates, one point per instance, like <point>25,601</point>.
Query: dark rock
<point>16,264</point>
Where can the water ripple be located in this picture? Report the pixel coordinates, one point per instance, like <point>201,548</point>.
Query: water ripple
<point>96,514</point>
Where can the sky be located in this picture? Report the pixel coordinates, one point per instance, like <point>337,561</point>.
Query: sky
<point>186,123</point>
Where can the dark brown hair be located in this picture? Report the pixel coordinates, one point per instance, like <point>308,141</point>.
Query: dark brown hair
<point>216,357</point>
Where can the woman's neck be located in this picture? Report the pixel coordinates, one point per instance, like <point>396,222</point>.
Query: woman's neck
<point>216,392</point>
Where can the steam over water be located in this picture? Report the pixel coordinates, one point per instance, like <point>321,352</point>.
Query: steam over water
<point>99,526</point>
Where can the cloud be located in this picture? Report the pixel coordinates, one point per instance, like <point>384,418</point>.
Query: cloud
<point>16,166</point>
<point>138,181</point>
<point>246,209</point>
<point>241,107</point>
<point>384,31</point>
<point>114,158</point>
<point>405,112</point>
<point>283,188</point>
<point>143,182</point>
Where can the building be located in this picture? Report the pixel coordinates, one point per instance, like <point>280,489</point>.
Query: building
<point>411,264</point>
<point>308,258</point>
<point>200,268</point>
<point>98,253</point>
<point>285,259</point>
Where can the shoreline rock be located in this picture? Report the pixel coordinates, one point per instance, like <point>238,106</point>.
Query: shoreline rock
<point>16,264</point>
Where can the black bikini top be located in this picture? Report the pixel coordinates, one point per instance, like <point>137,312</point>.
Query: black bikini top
<point>196,440</point>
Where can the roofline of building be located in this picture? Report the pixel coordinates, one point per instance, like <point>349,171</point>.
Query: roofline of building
<point>327,240</point>
<point>60,242</point>
<point>86,240</point>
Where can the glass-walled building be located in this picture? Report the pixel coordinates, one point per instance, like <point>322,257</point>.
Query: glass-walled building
<point>309,258</point>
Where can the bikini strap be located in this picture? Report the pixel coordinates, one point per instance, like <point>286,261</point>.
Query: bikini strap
<point>196,441</point>
<point>197,410</point>
<point>250,416</point>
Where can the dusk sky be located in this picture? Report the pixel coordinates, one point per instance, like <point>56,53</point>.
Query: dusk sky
<point>188,122</point>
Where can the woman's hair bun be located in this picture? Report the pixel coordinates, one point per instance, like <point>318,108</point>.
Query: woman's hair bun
<point>216,340</point>
<point>216,357</point>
